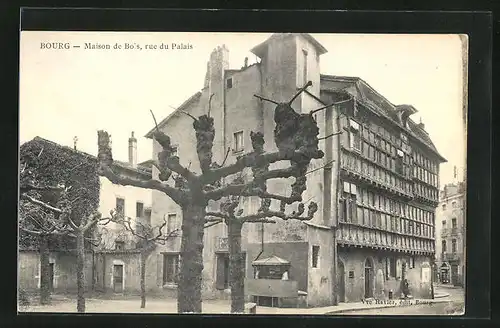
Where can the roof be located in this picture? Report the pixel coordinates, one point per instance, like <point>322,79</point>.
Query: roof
<point>140,168</point>
<point>370,98</point>
<point>190,100</point>
<point>273,260</point>
<point>258,50</point>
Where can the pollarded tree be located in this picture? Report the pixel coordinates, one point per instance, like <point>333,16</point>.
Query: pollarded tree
<point>233,218</point>
<point>45,221</point>
<point>148,238</point>
<point>296,136</point>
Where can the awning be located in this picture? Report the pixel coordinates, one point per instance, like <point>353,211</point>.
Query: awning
<point>273,260</point>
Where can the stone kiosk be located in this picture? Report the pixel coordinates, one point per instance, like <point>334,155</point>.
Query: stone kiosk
<point>272,286</point>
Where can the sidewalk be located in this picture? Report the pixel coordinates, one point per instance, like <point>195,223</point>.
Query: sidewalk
<point>447,286</point>
<point>347,307</point>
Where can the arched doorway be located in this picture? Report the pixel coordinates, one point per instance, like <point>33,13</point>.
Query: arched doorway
<point>368,278</point>
<point>341,281</point>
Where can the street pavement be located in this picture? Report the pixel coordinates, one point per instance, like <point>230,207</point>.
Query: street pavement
<point>452,298</point>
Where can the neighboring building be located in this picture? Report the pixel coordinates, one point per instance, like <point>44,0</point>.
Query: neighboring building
<point>114,264</point>
<point>450,234</point>
<point>377,195</point>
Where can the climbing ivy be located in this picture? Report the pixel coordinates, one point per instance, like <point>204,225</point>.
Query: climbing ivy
<point>45,163</point>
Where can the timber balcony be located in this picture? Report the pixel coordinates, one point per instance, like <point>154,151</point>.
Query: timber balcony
<point>358,236</point>
<point>451,257</point>
<point>357,166</point>
<point>445,232</point>
<point>425,198</point>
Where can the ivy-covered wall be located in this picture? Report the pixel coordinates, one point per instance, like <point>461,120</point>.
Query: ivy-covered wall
<point>47,163</point>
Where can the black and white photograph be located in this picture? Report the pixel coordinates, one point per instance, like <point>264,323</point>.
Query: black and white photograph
<point>255,173</point>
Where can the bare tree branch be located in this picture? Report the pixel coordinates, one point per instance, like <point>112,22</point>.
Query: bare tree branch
<point>36,233</point>
<point>253,159</point>
<point>95,218</point>
<point>225,157</point>
<point>259,220</point>
<point>154,119</point>
<point>177,195</point>
<point>307,85</point>
<point>215,216</point>
<point>25,187</point>
<point>72,224</point>
<point>41,204</point>
<point>186,113</point>
<point>330,135</point>
<point>265,99</point>
<point>248,190</point>
<point>321,167</point>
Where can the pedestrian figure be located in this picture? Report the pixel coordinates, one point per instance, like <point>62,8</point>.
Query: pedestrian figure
<point>406,288</point>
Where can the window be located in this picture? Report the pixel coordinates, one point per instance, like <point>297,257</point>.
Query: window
<point>443,246</point>
<point>454,223</point>
<point>120,206</point>
<point>453,245</point>
<point>170,268</point>
<point>238,141</point>
<point>444,223</point>
<point>453,204</point>
<point>119,245</point>
<point>147,215</point>
<point>391,267</point>
<point>444,207</point>
<point>229,83</point>
<point>355,139</point>
<point>171,223</point>
<point>315,256</point>
<point>139,210</point>
<point>348,206</point>
<point>304,72</point>
<point>399,165</point>
<point>351,274</point>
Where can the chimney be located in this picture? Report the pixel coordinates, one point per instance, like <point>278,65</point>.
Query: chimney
<point>132,150</point>
<point>421,125</point>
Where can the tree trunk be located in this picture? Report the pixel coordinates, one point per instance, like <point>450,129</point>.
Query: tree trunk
<point>190,278</point>
<point>80,272</point>
<point>144,257</point>
<point>44,270</point>
<point>236,267</point>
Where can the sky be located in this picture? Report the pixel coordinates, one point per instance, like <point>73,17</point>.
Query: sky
<point>76,92</point>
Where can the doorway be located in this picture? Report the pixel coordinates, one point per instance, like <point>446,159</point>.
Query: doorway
<point>51,277</point>
<point>368,278</point>
<point>118,278</point>
<point>222,271</point>
<point>341,281</point>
